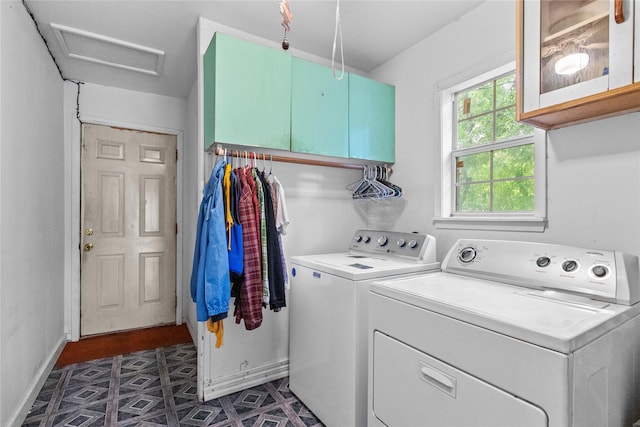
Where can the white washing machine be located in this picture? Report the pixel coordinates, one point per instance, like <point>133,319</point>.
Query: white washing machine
<point>508,334</point>
<point>328,318</point>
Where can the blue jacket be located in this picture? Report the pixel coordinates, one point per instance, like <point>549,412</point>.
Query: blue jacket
<point>210,283</point>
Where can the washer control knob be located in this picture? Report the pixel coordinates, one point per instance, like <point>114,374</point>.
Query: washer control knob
<point>570,266</point>
<point>543,261</point>
<point>382,240</point>
<point>467,255</point>
<point>367,239</point>
<point>599,271</point>
<point>357,238</point>
<point>401,243</point>
<point>413,244</point>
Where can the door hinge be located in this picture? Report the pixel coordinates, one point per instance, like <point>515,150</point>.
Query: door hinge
<point>176,228</point>
<point>176,154</point>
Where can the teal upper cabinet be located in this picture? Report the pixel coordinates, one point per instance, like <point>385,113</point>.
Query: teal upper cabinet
<point>319,110</point>
<point>247,94</point>
<point>372,121</point>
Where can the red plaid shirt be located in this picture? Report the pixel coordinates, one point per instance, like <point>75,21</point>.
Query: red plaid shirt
<point>251,290</point>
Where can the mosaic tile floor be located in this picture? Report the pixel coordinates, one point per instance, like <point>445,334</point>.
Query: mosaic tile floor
<point>157,388</point>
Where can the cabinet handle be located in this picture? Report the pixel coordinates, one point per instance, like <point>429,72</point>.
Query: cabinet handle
<point>618,13</point>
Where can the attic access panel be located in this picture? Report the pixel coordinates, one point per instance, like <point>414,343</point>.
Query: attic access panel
<point>96,48</point>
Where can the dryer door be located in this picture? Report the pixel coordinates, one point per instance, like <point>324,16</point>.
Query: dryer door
<point>411,388</point>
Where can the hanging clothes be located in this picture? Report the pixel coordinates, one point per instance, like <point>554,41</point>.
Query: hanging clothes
<point>216,328</point>
<point>238,251</point>
<point>249,307</point>
<point>235,244</point>
<point>277,299</point>
<point>210,283</point>
<point>263,237</point>
<point>282,218</point>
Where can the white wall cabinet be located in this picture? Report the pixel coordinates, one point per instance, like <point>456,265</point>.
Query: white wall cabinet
<point>576,59</point>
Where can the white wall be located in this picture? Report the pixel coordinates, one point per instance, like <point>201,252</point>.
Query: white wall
<point>190,204</point>
<point>593,169</point>
<point>2,410</point>
<point>32,214</point>
<point>136,110</point>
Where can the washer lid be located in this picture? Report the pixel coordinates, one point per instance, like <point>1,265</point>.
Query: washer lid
<point>354,266</point>
<point>555,320</point>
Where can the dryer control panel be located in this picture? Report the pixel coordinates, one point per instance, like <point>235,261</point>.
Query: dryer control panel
<point>421,247</point>
<point>599,274</point>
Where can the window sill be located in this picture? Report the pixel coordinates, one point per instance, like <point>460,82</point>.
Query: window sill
<point>505,223</point>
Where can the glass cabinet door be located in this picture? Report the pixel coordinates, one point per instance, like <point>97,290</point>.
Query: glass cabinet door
<point>574,42</point>
<point>575,48</point>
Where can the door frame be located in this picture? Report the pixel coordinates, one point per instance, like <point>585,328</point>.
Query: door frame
<point>73,154</point>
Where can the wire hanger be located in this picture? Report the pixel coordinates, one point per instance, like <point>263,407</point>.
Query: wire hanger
<point>372,185</point>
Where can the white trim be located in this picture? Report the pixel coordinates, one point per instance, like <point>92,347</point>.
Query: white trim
<point>444,217</point>
<point>72,217</point>
<point>1,239</point>
<point>483,148</point>
<point>237,381</point>
<point>636,43</point>
<point>488,75</point>
<point>531,55</point>
<point>205,32</point>
<point>446,134</point>
<point>540,174</point>
<point>512,223</point>
<point>621,46</point>
<point>22,411</point>
<point>575,91</point>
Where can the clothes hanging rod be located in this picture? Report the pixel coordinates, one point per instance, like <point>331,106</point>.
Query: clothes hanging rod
<point>219,151</point>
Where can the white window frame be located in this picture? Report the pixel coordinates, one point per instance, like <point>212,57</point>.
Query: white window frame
<point>534,221</point>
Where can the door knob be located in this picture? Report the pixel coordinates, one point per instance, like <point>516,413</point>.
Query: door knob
<point>88,247</point>
<point>88,231</point>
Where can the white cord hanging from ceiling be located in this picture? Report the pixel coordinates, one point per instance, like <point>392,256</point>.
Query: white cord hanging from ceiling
<point>335,39</point>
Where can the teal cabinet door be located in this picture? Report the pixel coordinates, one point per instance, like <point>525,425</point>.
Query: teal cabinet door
<point>247,94</point>
<point>372,120</point>
<point>319,110</point>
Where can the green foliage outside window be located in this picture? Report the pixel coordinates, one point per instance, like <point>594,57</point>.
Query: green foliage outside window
<point>492,177</point>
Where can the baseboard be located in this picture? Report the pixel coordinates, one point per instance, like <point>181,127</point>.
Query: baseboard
<point>232,383</point>
<point>23,409</point>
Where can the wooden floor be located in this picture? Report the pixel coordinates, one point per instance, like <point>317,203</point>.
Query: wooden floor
<point>122,343</point>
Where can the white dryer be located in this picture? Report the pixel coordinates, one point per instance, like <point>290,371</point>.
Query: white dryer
<point>328,318</point>
<point>508,334</point>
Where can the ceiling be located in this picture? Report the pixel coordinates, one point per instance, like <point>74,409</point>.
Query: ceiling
<point>373,32</point>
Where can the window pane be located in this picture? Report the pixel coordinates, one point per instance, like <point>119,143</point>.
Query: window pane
<point>475,167</point>
<point>513,196</point>
<point>492,179</point>
<point>513,162</point>
<point>506,91</point>
<point>475,101</point>
<point>473,198</point>
<point>476,131</point>
<point>507,127</point>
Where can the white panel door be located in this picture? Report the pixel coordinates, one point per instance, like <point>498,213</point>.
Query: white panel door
<point>128,229</point>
